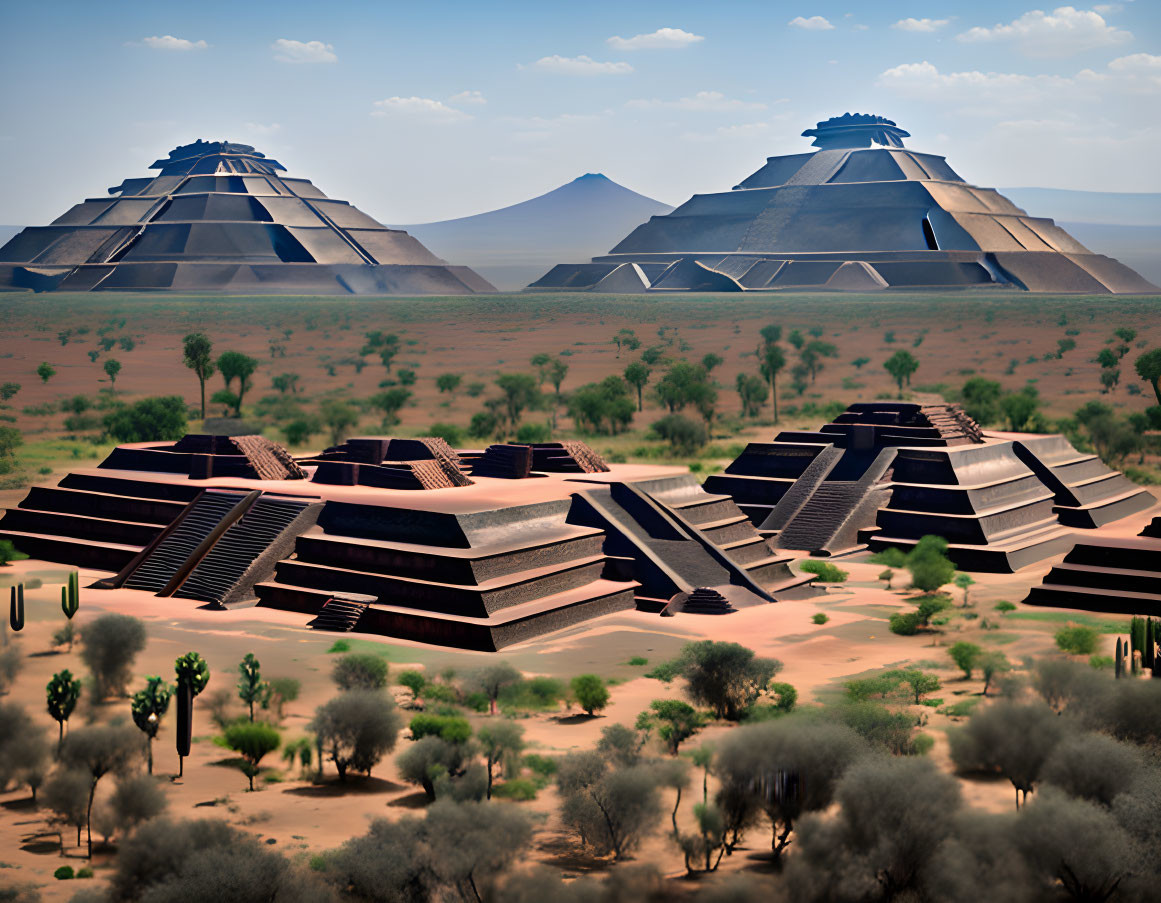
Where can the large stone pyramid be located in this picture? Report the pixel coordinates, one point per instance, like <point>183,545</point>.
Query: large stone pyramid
<point>862,213</point>
<point>219,217</point>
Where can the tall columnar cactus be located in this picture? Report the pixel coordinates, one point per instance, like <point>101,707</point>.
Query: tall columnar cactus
<point>1150,643</point>
<point>1136,636</point>
<point>70,595</point>
<point>16,607</point>
<point>1119,661</point>
<point>192,676</point>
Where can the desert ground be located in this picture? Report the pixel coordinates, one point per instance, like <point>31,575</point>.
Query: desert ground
<point>301,817</point>
<point>999,336</point>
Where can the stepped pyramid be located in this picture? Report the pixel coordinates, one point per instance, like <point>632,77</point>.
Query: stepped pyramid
<point>219,217</point>
<point>887,473</point>
<point>862,213</point>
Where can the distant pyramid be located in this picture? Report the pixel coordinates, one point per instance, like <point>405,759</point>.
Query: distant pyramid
<point>219,217</point>
<point>513,245</point>
<point>860,214</point>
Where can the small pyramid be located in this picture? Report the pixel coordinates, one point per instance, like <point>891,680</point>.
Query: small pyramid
<point>220,217</point>
<point>862,213</point>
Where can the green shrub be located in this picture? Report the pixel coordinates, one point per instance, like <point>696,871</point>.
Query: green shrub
<point>825,571</point>
<point>519,789</point>
<point>820,618</point>
<point>1076,639</point>
<point>1101,662</point>
<point>85,872</point>
<point>638,661</point>
<point>905,623</point>
<point>340,646</point>
<point>892,557</point>
<point>450,728</point>
<point>64,873</point>
<point>542,765</point>
<point>1005,606</point>
<point>961,709</point>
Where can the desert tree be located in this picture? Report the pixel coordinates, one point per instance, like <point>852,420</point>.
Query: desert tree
<point>24,753</point>
<point>62,694</point>
<point>491,681</point>
<point>1010,739</point>
<point>429,759</point>
<point>673,774</point>
<point>979,860</point>
<point>251,686</point>
<point>623,745</point>
<point>112,370</point>
<point>637,375</point>
<point>148,706</point>
<point>966,657</point>
<point>196,355</point>
<point>1020,407</point>
<point>339,416</point>
<point>964,582</point>
<point>389,403</point>
<point>148,420</point>
<point>280,691</point>
<point>109,646</point>
<point>501,743</point>
<point>165,859</point>
<point>234,365</point>
<point>356,729</point>
<point>590,693</point>
<point>929,565</point>
<point>519,393</point>
<point>610,809</point>
<point>676,722</point>
<point>415,681</point>
<point>136,799</point>
<point>45,371</point>
<point>992,663</point>
<point>96,751</point>
<point>901,365</point>
<point>752,392</point>
<point>1148,367</point>
<point>893,815</point>
<point>66,794</point>
<point>784,768</point>
<point>726,677</point>
<point>253,741</point>
<point>286,382</point>
<point>1092,767</point>
<point>448,382</point>
<point>360,671</point>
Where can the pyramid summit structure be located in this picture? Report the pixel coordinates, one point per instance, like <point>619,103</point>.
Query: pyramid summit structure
<point>862,213</point>
<point>221,217</point>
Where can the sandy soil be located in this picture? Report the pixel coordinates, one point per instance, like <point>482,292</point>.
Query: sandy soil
<point>301,818</point>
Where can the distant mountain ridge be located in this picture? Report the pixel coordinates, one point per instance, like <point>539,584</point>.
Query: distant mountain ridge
<point>514,245</point>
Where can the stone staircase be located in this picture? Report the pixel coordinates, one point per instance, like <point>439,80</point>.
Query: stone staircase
<point>823,513</point>
<point>702,601</point>
<point>248,539</point>
<point>340,615</point>
<point>162,562</point>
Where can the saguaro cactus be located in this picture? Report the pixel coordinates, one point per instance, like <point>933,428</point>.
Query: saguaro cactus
<point>1119,661</point>
<point>70,595</point>
<point>184,724</point>
<point>16,607</point>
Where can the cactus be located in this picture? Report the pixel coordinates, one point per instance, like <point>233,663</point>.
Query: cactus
<point>1150,643</point>
<point>184,724</point>
<point>16,607</point>
<point>1118,661</point>
<point>70,595</point>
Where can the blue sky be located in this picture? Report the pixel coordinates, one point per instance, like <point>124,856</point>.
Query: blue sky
<point>424,111</point>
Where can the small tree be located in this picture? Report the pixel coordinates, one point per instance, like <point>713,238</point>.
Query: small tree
<point>136,799</point>
<point>66,794</point>
<point>886,575</point>
<point>448,382</point>
<point>1076,639</point>
<point>45,371</point>
<point>148,420</point>
<point>251,686</point>
<point>637,375</point>
<point>149,707</point>
<point>339,416</point>
<point>415,682</point>
<point>109,645</point>
<point>966,657</point>
<point>919,682</point>
<point>234,365</point>
<point>1148,367</point>
<point>929,565</point>
<point>901,365</point>
<point>590,693</point>
<point>9,553</point>
<point>356,729</point>
<point>112,368</point>
<point>726,677</point>
<point>491,681</point>
<point>63,691</point>
<point>611,809</point>
<point>992,663</point>
<point>964,582</point>
<point>252,740</point>
<point>97,751</point>
<point>678,721</point>
<point>501,743</point>
<point>359,671</point>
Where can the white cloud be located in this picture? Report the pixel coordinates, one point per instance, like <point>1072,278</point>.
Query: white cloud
<point>287,51</point>
<point>662,39</point>
<point>1139,73</point>
<point>701,102</point>
<point>1105,8</point>
<point>926,25</point>
<point>814,23</point>
<point>1063,32</point>
<point>474,97</point>
<point>169,42</point>
<point>425,107</point>
<point>258,128</point>
<point>580,65</point>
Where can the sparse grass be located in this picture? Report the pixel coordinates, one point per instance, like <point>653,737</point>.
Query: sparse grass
<point>1076,617</point>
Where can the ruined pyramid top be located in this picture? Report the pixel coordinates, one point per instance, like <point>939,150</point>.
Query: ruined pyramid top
<point>215,156</point>
<point>856,130</point>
